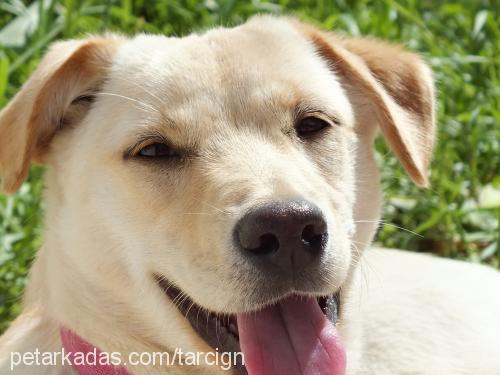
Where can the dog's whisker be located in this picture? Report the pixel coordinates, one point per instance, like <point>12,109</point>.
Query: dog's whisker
<point>383,222</point>
<point>211,205</point>
<point>143,88</point>
<point>207,313</point>
<point>364,244</point>
<point>204,213</point>
<point>177,299</point>
<point>218,327</point>
<point>137,101</point>
<point>357,256</point>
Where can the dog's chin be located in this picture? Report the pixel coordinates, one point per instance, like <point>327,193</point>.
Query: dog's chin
<point>220,330</point>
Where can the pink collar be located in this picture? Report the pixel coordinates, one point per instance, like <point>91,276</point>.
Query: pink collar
<point>87,359</point>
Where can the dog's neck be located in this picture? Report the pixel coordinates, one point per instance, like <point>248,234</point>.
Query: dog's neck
<point>95,362</point>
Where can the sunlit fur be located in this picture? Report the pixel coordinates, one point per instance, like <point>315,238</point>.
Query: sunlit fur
<point>227,99</point>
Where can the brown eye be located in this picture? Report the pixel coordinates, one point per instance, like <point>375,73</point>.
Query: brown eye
<point>311,125</point>
<point>158,150</point>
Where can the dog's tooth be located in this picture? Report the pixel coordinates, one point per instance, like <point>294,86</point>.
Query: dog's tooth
<point>233,328</point>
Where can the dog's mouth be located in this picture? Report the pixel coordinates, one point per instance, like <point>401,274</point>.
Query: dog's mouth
<point>296,335</point>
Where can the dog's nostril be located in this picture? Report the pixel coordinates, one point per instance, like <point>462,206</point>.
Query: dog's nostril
<point>312,238</point>
<point>308,234</point>
<point>268,243</point>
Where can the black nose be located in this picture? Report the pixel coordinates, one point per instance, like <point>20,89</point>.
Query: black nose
<point>289,235</point>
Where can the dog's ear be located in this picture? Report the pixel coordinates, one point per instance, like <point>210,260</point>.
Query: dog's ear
<point>394,85</point>
<point>57,94</point>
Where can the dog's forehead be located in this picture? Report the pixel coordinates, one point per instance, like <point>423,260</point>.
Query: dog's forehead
<point>238,73</point>
<point>255,48</point>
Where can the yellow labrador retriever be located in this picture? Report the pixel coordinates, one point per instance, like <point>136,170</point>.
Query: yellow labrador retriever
<point>217,194</point>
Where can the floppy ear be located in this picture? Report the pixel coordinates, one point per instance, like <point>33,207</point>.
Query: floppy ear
<point>57,94</point>
<point>397,88</point>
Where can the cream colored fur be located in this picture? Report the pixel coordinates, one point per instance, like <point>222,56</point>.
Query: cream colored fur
<point>227,98</point>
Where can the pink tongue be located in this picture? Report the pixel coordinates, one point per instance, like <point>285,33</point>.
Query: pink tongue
<point>293,337</point>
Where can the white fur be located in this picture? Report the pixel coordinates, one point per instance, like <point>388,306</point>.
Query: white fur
<point>111,223</point>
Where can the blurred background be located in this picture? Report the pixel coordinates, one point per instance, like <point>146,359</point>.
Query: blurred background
<point>457,217</point>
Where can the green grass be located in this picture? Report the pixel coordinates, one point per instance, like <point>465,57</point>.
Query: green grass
<point>458,217</point>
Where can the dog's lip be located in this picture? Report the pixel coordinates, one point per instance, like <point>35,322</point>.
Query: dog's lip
<point>217,330</point>
<point>220,331</point>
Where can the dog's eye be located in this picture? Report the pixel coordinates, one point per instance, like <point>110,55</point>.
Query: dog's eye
<point>158,150</point>
<point>310,125</point>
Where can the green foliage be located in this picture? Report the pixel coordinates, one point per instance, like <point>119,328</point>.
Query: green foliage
<point>458,217</point>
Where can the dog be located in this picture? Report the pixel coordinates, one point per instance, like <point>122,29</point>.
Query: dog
<point>217,193</point>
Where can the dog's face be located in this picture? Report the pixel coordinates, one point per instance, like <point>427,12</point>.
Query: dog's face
<point>235,165</point>
<point>211,132</point>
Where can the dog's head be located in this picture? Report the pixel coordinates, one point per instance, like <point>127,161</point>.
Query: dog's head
<point>234,168</point>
